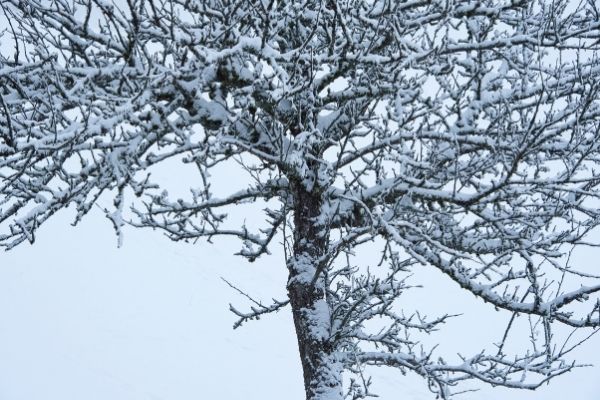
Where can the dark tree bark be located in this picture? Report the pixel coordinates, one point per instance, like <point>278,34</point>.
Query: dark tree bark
<point>307,294</point>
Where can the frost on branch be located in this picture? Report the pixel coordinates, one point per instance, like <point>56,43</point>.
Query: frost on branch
<point>461,136</point>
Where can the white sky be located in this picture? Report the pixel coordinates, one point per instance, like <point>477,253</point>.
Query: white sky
<point>81,319</point>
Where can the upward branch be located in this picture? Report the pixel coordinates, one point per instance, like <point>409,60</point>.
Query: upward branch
<point>463,136</point>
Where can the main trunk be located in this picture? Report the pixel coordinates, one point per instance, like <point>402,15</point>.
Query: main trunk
<point>307,293</point>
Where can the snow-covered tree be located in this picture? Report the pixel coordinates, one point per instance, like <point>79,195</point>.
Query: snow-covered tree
<point>461,136</point>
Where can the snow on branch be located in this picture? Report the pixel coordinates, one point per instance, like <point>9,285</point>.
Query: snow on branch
<point>457,136</point>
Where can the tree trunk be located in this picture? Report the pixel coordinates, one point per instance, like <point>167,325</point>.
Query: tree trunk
<point>312,315</point>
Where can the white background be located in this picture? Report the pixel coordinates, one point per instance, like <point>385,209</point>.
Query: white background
<point>83,320</point>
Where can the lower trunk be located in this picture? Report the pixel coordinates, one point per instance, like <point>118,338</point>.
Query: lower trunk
<point>322,372</point>
<point>307,293</point>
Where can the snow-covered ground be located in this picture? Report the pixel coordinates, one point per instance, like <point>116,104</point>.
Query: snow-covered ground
<point>81,319</point>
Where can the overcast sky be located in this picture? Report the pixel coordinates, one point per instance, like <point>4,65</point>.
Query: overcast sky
<point>81,319</point>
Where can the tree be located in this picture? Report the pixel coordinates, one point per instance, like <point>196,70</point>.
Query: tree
<point>462,136</point>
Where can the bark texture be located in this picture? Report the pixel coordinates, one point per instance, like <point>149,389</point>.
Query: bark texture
<point>311,312</point>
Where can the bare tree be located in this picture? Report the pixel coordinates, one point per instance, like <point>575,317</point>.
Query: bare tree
<point>462,136</point>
